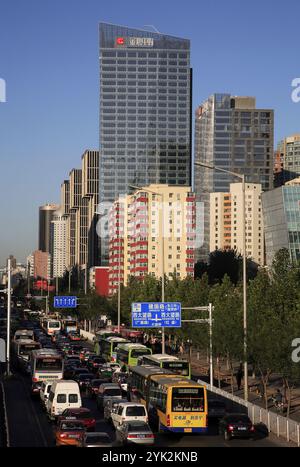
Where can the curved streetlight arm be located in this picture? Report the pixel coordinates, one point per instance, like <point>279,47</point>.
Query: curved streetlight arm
<point>220,169</point>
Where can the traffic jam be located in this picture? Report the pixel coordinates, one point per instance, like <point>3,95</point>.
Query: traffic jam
<point>116,379</point>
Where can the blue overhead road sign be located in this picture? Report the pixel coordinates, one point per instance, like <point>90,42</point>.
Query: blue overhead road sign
<point>156,315</point>
<point>65,302</point>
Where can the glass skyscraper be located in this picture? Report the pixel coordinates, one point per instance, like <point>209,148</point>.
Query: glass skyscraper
<point>231,133</point>
<point>281,212</point>
<point>145,110</point>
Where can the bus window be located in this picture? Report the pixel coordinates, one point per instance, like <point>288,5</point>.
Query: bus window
<point>188,400</point>
<point>137,352</point>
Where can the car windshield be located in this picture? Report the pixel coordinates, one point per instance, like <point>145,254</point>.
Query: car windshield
<point>136,411</point>
<point>96,383</point>
<point>95,439</point>
<point>140,427</point>
<point>238,419</point>
<point>83,415</point>
<point>72,426</point>
<point>85,377</point>
<point>113,392</point>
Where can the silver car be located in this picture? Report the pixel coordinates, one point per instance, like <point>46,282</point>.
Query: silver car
<point>135,432</point>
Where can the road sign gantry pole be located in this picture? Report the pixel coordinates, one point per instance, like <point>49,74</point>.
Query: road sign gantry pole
<point>208,308</point>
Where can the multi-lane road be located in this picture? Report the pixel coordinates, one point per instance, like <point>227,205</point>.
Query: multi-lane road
<point>29,425</point>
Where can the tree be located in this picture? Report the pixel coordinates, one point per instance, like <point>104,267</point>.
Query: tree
<point>228,323</point>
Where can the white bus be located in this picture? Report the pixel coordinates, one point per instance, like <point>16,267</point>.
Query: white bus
<point>21,352</point>
<point>69,325</point>
<point>51,326</point>
<point>45,365</point>
<point>24,334</point>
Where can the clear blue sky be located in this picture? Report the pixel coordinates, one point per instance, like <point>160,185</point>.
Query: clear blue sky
<point>49,59</point>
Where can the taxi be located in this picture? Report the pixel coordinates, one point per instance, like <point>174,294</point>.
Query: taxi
<point>81,414</point>
<point>69,432</point>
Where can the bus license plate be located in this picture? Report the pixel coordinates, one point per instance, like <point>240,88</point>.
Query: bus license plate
<point>188,430</point>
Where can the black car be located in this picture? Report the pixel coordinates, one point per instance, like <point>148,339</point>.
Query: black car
<point>236,425</point>
<point>95,363</point>
<point>84,380</point>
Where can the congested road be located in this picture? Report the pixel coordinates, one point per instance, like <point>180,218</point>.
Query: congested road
<point>29,424</point>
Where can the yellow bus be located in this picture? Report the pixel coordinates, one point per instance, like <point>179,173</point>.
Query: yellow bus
<point>174,403</point>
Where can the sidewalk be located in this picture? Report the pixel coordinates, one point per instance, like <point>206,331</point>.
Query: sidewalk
<point>200,369</point>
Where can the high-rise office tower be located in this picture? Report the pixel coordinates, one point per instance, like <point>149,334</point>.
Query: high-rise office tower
<point>231,133</point>
<point>59,244</point>
<point>74,218</point>
<point>145,111</point>
<point>45,217</point>
<point>287,160</point>
<point>89,251</point>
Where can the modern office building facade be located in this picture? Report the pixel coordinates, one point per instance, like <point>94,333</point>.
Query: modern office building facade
<point>231,133</point>
<point>281,212</point>
<point>45,217</point>
<point>226,221</point>
<point>145,111</point>
<point>74,218</point>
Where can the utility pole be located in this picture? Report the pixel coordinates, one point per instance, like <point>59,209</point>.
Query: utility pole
<point>8,319</point>
<point>28,278</point>
<point>208,308</point>
<point>211,376</point>
<point>70,274</point>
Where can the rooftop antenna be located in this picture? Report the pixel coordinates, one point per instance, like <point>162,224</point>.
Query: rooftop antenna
<point>151,26</point>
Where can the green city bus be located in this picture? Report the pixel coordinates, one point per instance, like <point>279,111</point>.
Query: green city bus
<point>103,334</point>
<point>107,347</point>
<point>128,354</point>
<point>168,362</point>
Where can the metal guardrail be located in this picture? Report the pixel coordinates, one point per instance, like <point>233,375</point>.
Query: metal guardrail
<point>4,413</point>
<point>277,424</point>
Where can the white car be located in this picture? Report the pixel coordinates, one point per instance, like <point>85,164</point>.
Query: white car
<point>45,391</point>
<point>113,366</point>
<point>130,411</point>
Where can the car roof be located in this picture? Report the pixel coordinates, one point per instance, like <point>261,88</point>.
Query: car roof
<point>79,410</point>
<point>131,404</point>
<point>110,385</point>
<point>136,422</point>
<point>66,420</point>
<point>236,415</point>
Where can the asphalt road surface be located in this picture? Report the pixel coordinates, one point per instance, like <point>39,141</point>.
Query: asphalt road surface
<point>29,425</point>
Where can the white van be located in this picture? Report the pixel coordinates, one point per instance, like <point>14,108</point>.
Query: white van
<point>64,394</point>
<point>127,412</point>
<point>45,391</point>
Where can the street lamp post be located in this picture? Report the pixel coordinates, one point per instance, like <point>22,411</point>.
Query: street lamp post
<point>242,177</point>
<point>162,254</point>
<point>8,317</point>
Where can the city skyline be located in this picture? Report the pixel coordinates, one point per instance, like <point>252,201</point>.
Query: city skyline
<point>51,72</point>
